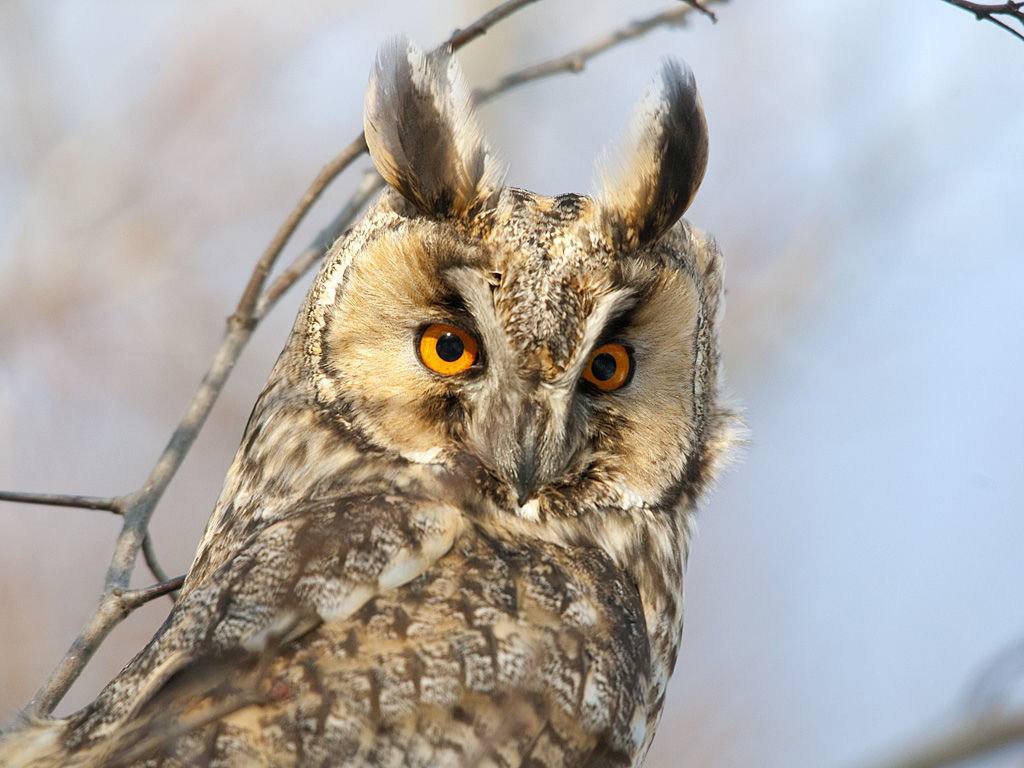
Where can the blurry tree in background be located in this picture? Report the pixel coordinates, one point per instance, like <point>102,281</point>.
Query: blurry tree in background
<point>148,153</point>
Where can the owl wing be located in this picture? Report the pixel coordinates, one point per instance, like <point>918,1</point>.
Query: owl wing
<point>475,653</point>
<point>320,564</point>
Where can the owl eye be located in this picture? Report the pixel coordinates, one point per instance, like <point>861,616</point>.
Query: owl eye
<point>446,349</point>
<point>610,367</point>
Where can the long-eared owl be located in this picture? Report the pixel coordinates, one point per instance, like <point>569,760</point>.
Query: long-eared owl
<point>455,531</point>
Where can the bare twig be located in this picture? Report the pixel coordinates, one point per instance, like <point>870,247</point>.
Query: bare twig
<point>152,563</point>
<point>460,37</point>
<point>114,607</point>
<point>368,187</point>
<point>250,296</point>
<point>133,598</point>
<point>701,7</point>
<point>971,740</point>
<point>257,299</point>
<point>990,12</point>
<point>113,504</point>
<point>576,60</point>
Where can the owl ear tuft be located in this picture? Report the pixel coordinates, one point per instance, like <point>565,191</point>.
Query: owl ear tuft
<point>657,171</point>
<point>423,135</point>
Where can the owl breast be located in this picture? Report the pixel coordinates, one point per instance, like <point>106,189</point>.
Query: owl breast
<point>498,655</point>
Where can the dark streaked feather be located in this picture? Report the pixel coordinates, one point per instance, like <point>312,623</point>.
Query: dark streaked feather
<point>423,136</point>
<point>662,164</point>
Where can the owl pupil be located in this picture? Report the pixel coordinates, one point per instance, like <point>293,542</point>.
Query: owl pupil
<point>450,347</point>
<point>603,367</point>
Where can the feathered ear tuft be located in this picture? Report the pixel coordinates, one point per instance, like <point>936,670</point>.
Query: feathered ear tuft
<point>660,167</point>
<point>423,135</point>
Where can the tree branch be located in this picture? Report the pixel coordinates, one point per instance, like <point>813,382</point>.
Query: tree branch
<point>576,60</point>
<point>368,187</point>
<point>460,37</point>
<point>701,7</point>
<point>244,314</point>
<point>990,12</point>
<point>970,740</point>
<point>113,504</point>
<point>133,598</point>
<point>153,564</point>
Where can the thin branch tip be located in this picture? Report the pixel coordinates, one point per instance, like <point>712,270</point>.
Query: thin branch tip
<point>970,740</point>
<point>696,4</point>
<point>115,504</point>
<point>134,598</point>
<point>576,61</point>
<point>991,11</point>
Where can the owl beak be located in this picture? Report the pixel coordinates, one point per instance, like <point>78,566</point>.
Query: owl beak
<point>526,474</point>
<point>524,455</point>
<point>527,469</point>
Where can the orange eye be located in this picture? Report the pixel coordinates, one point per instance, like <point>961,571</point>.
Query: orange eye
<point>609,368</point>
<point>447,350</point>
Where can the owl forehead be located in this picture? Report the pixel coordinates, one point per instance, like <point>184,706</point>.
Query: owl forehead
<point>551,274</point>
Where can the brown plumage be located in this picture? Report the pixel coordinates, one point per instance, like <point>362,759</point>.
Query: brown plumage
<point>469,555</point>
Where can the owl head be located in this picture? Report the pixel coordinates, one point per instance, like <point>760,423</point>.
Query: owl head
<point>550,357</point>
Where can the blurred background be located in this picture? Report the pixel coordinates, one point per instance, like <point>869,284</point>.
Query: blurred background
<point>860,566</point>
